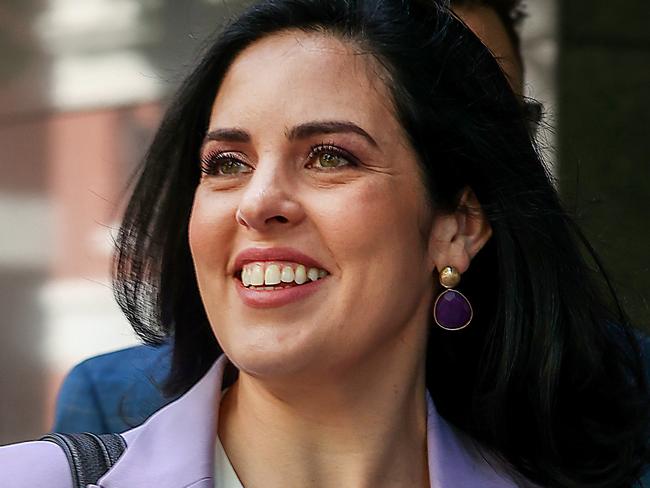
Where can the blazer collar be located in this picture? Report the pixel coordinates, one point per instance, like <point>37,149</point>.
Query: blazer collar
<point>175,447</point>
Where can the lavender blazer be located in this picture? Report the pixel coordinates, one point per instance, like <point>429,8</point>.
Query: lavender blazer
<point>175,449</point>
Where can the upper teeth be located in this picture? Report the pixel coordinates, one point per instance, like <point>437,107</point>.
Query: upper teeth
<point>269,274</point>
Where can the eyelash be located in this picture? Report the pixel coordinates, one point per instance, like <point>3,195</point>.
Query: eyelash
<point>211,162</point>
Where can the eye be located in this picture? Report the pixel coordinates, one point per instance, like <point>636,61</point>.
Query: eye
<point>330,157</point>
<point>223,164</point>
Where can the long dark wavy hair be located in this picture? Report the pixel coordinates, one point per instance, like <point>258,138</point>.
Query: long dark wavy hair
<point>549,375</point>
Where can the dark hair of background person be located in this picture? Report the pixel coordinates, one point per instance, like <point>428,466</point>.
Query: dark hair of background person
<point>510,12</point>
<point>549,374</point>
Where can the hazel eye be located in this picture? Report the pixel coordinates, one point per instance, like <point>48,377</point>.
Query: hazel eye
<point>223,164</point>
<point>328,160</point>
<point>232,166</point>
<point>329,157</point>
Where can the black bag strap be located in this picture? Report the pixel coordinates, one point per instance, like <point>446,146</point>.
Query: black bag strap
<point>90,456</point>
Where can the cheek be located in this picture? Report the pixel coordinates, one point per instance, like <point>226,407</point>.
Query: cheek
<point>210,229</point>
<point>375,237</point>
<point>378,218</point>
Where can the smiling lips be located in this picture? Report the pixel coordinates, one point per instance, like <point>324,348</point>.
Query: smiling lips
<point>272,277</point>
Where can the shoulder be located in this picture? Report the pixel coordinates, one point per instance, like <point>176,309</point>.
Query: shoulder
<point>31,464</point>
<point>175,446</point>
<point>118,367</point>
<point>114,391</point>
<point>125,363</point>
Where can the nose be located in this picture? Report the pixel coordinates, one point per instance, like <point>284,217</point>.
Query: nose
<point>268,201</point>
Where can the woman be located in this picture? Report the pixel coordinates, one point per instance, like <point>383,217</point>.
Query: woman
<point>323,177</point>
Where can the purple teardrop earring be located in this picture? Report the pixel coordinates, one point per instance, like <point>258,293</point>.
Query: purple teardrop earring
<point>452,310</point>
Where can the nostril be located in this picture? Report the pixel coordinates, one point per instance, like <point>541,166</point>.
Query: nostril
<point>281,219</point>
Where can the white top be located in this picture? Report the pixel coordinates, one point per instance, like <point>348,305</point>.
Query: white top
<point>224,473</point>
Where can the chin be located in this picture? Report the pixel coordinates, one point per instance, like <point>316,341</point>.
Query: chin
<point>272,351</point>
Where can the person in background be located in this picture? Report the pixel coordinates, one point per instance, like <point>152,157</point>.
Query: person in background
<point>119,390</point>
<point>497,24</point>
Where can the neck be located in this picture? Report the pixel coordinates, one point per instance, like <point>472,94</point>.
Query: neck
<point>359,429</point>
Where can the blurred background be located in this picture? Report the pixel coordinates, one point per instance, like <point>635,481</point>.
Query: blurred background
<point>83,86</point>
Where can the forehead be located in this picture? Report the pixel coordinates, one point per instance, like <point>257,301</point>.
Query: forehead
<point>299,76</point>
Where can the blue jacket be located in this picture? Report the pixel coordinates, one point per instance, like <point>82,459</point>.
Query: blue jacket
<point>113,392</point>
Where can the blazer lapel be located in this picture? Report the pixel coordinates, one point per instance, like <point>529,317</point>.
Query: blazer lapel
<point>175,447</point>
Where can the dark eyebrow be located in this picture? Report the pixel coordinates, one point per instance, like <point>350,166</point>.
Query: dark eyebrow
<point>309,129</point>
<point>228,135</point>
<point>301,131</point>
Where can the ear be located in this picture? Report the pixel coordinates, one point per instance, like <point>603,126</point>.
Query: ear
<point>458,236</point>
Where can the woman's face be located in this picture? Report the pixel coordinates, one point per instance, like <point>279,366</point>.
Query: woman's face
<point>307,171</point>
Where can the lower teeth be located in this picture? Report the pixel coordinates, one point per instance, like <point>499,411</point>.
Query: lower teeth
<point>269,288</point>
<point>280,287</point>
